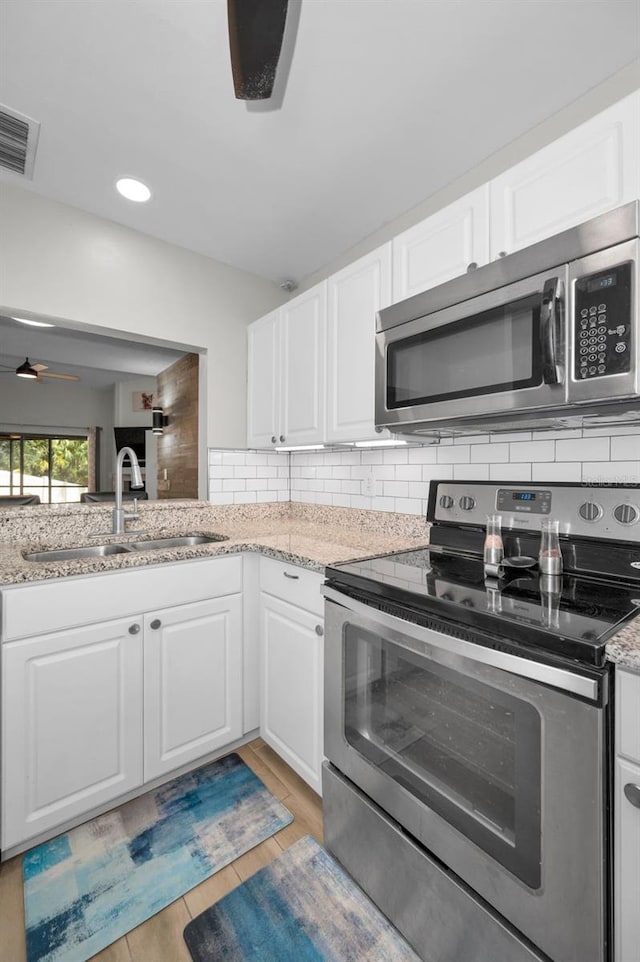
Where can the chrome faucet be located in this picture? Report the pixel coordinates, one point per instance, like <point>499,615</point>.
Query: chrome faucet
<point>120,516</point>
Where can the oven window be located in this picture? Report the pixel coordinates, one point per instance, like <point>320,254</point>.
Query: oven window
<point>469,751</point>
<point>491,352</point>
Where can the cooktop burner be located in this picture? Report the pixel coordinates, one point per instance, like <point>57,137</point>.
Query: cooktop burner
<point>568,617</point>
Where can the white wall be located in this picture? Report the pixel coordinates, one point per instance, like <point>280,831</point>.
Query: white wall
<point>58,407</point>
<point>62,262</point>
<point>124,415</point>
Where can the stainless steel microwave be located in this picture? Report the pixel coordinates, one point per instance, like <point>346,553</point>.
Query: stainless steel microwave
<point>548,336</point>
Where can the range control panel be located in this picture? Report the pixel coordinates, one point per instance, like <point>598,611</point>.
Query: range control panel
<point>602,323</point>
<point>603,512</point>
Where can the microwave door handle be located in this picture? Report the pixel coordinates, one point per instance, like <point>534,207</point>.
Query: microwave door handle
<point>550,321</point>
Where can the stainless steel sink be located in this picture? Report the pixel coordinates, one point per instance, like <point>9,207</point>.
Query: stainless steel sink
<point>102,550</point>
<point>72,554</point>
<point>178,542</point>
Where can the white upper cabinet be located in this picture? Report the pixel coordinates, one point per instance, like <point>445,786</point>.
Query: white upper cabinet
<point>286,373</point>
<point>443,246</point>
<point>354,296</point>
<point>592,169</point>
<point>302,378</point>
<point>263,401</point>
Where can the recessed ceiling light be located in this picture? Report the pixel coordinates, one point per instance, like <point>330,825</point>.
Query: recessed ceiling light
<point>27,320</point>
<point>133,189</point>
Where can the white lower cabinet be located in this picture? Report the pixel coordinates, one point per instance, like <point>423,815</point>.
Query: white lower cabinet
<point>291,662</point>
<point>72,725</point>
<point>627,818</point>
<point>192,682</point>
<point>91,713</point>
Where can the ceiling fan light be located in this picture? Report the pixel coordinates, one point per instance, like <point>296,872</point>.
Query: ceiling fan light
<point>25,370</point>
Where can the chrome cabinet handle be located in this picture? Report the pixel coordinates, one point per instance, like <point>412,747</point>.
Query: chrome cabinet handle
<point>155,624</point>
<point>550,321</point>
<point>293,577</point>
<point>319,631</point>
<point>134,629</point>
<point>273,439</point>
<point>282,438</point>
<point>472,267</point>
<point>501,254</point>
<point>632,794</point>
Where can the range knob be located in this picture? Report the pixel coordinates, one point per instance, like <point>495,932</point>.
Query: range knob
<point>590,511</point>
<point>446,501</point>
<point>626,513</point>
<point>467,503</point>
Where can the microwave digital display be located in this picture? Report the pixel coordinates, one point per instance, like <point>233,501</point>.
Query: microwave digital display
<point>601,283</point>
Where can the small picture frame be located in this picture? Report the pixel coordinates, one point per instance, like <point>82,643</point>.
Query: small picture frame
<point>141,401</point>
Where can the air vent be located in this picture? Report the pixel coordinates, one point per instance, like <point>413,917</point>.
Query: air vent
<point>18,139</point>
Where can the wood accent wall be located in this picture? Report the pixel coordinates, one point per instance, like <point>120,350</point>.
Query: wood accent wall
<point>177,394</point>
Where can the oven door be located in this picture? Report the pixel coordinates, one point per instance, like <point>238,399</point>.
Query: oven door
<point>500,352</point>
<point>494,763</point>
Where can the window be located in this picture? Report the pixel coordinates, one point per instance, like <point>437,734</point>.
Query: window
<point>54,468</point>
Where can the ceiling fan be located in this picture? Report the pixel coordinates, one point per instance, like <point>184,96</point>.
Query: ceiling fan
<point>256,33</point>
<point>36,371</point>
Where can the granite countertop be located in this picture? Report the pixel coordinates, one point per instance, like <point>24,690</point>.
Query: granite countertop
<point>308,535</point>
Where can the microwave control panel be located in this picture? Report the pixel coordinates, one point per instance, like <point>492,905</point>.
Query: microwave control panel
<point>602,323</point>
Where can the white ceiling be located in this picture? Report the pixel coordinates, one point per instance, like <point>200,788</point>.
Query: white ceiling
<point>99,361</point>
<point>386,102</point>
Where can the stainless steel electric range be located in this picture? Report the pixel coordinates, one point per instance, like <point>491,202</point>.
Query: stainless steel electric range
<point>468,723</point>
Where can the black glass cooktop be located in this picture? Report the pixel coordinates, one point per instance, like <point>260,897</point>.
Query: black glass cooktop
<point>568,617</point>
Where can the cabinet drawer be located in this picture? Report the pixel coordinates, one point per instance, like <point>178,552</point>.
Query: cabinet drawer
<point>71,602</point>
<point>628,714</point>
<point>299,586</point>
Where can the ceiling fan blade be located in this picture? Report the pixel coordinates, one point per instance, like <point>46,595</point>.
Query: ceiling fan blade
<point>256,29</point>
<point>60,377</point>
<point>39,367</point>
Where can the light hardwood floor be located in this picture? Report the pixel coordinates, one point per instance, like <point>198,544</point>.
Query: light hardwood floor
<point>159,939</point>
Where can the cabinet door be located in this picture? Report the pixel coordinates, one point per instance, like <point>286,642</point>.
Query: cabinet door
<point>627,864</point>
<point>443,246</point>
<point>303,368</point>
<point>354,296</point>
<point>592,169</point>
<point>263,381</point>
<point>71,724</point>
<point>192,683</point>
<point>291,688</point>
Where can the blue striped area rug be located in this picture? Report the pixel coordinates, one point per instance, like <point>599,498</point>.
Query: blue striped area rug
<point>86,889</point>
<point>303,907</point>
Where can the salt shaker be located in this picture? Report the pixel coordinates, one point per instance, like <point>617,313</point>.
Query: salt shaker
<point>493,546</point>
<point>550,556</point>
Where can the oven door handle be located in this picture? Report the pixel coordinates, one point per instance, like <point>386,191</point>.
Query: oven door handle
<point>550,324</point>
<point>535,671</point>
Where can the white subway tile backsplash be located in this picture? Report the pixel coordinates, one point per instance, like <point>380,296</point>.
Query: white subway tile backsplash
<point>558,471</point>
<point>612,472</point>
<point>489,453</point>
<point>397,479</point>
<point>625,448</point>
<point>454,454</point>
<point>532,451</point>
<point>583,449</point>
<point>510,472</point>
<point>470,472</point>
